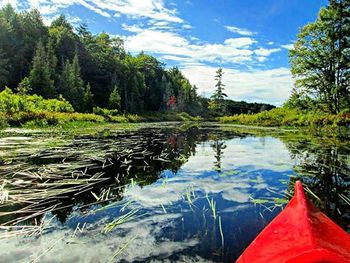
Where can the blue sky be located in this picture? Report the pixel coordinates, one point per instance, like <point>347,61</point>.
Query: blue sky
<point>248,38</point>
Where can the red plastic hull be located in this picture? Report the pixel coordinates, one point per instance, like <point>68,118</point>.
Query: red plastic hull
<point>300,233</point>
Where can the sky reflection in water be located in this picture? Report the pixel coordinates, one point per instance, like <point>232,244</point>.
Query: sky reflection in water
<point>173,219</point>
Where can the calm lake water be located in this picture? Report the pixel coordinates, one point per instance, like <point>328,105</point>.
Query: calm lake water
<point>162,193</point>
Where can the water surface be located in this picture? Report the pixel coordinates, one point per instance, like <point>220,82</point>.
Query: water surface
<point>163,193</point>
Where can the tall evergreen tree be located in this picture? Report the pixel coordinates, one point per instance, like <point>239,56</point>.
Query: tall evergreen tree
<point>88,102</point>
<point>218,97</point>
<point>71,85</point>
<point>114,99</point>
<point>52,60</point>
<point>4,72</point>
<point>39,77</point>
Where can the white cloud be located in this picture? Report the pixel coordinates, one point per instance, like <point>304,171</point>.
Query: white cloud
<point>288,46</point>
<point>142,236</point>
<point>264,52</point>
<point>170,44</point>
<point>151,9</point>
<point>132,28</point>
<point>239,42</point>
<point>240,31</point>
<point>14,3</point>
<point>271,85</point>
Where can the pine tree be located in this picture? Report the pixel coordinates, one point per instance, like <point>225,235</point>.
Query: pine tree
<point>71,86</point>
<point>4,73</point>
<point>88,99</point>
<point>39,77</point>
<point>114,99</point>
<point>217,103</point>
<point>52,60</point>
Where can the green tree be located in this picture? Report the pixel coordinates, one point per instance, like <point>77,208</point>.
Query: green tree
<point>217,104</point>
<point>4,72</point>
<point>39,77</point>
<point>88,102</point>
<point>320,58</point>
<point>114,100</point>
<point>52,60</point>
<point>71,86</point>
<point>24,86</point>
<point>19,35</point>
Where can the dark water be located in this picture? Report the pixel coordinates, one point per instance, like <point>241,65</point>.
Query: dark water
<point>159,194</point>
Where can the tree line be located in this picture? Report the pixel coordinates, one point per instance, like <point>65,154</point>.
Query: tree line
<point>93,70</point>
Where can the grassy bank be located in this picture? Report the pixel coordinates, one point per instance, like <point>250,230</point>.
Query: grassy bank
<point>23,110</point>
<point>284,117</point>
<point>46,118</point>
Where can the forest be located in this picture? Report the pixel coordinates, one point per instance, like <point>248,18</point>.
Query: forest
<point>90,72</point>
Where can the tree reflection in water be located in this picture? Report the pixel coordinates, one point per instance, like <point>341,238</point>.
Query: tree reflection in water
<point>325,169</point>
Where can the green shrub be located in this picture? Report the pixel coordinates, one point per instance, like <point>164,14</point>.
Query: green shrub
<point>105,112</point>
<point>118,119</point>
<point>133,118</point>
<point>11,103</point>
<point>184,116</point>
<point>289,117</point>
<point>3,120</point>
<point>50,118</point>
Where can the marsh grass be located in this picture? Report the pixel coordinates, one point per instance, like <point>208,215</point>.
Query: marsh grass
<point>120,220</point>
<point>48,179</point>
<point>212,205</point>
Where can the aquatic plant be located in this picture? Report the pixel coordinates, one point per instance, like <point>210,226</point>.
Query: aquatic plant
<point>212,205</point>
<point>221,233</point>
<point>120,220</point>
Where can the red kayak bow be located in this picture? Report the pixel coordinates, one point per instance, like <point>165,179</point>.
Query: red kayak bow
<point>300,233</point>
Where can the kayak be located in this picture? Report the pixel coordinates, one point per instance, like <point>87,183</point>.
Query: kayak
<point>300,233</point>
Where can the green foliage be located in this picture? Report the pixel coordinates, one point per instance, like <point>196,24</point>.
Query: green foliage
<point>19,36</point>
<point>65,59</point>
<point>71,85</point>
<point>289,117</point>
<point>44,118</point>
<point>114,99</point>
<point>40,81</point>
<point>88,102</point>
<point>186,117</point>
<point>12,103</point>
<point>217,103</point>
<point>3,120</point>
<point>4,72</point>
<point>24,87</point>
<point>320,58</point>
<point>104,112</point>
